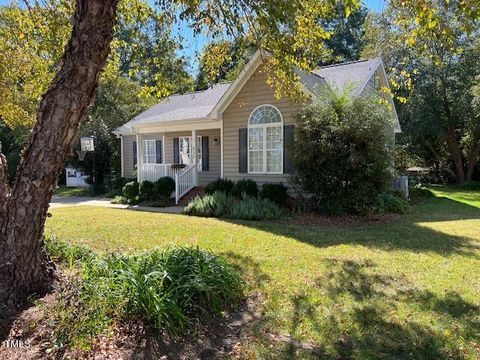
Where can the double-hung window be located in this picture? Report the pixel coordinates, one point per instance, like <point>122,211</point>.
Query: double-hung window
<point>149,151</point>
<point>265,140</point>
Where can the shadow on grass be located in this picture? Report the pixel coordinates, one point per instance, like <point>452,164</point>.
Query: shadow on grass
<point>362,318</point>
<point>411,232</point>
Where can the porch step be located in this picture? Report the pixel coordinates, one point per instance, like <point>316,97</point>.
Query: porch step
<point>197,190</point>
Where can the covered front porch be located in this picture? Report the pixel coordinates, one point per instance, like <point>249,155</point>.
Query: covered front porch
<point>157,152</point>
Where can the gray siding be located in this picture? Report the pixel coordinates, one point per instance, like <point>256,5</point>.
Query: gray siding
<point>255,92</point>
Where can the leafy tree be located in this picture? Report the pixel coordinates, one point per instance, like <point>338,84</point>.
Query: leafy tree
<point>433,63</point>
<point>339,155</point>
<point>223,61</point>
<point>347,33</point>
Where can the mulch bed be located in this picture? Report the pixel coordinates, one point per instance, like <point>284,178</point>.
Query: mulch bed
<point>217,338</point>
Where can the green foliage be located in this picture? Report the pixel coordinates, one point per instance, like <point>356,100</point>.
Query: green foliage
<point>343,152</point>
<point>419,193</point>
<point>117,185</point>
<point>225,206</point>
<point>470,185</point>
<point>169,289</point>
<point>246,187</point>
<point>223,185</point>
<point>147,190</point>
<point>276,193</point>
<point>64,252</point>
<point>119,199</point>
<point>131,192</point>
<point>393,202</point>
<point>250,208</point>
<point>164,187</point>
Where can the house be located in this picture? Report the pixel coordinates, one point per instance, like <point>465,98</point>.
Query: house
<point>235,130</point>
<point>74,177</point>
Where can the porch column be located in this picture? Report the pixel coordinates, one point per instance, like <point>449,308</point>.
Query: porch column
<point>139,157</point>
<point>194,154</point>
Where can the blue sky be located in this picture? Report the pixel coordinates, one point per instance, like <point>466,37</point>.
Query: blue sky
<point>193,45</point>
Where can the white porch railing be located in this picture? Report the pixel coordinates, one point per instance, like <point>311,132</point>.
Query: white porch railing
<point>184,182</point>
<point>184,178</point>
<point>153,172</point>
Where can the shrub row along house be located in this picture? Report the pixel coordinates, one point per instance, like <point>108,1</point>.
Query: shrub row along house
<point>237,130</point>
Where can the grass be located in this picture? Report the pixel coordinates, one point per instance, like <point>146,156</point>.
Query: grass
<point>64,191</point>
<point>408,289</point>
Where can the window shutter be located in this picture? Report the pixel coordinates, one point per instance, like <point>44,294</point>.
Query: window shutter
<point>134,153</point>
<point>176,154</point>
<point>242,150</point>
<point>288,136</point>
<point>205,154</point>
<point>158,149</point>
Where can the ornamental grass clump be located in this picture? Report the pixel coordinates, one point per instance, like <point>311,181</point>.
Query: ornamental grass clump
<point>169,290</point>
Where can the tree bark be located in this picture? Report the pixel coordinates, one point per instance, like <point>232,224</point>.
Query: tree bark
<point>456,154</point>
<point>23,263</point>
<point>472,160</point>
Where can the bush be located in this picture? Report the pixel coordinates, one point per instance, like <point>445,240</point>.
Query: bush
<point>146,190</point>
<point>245,187</point>
<point>275,192</point>
<point>419,193</point>
<point>117,185</point>
<point>130,190</point>
<point>470,185</point>
<point>215,205</point>
<point>170,290</point>
<point>342,153</point>
<point>394,202</point>
<point>119,200</point>
<point>221,205</point>
<point>250,208</point>
<point>164,187</point>
<point>223,185</point>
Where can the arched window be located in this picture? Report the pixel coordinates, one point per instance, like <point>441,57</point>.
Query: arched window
<point>265,140</point>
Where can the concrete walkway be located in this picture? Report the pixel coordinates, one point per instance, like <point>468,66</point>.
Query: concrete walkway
<point>58,201</point>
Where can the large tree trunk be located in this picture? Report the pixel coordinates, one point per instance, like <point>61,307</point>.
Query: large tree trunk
<point>23,264</point>
<point>472,160</point>
<point>456,154</point>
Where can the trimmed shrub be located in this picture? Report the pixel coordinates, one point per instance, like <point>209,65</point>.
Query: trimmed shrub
<point>131,192</point>
<point>169,289</point>
<point>118,200</point>
<point>250,208</point>
<point>221,205</point>
<point>146,190</point>
<point>394,202</point>
<point>244,187</point>
<point>275,192</point>
<point>118,183</point>
<point>418,193</point>
<point>342,154</point>
<point>215,205</point>
<point>223,185</point>
<point>164,187</point>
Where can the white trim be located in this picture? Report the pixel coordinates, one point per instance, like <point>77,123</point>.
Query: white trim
<point>221,150</point>
<point>264,149</point>
<point>185,126</point>
<point>163,149</point>
<point>237,85</point>
<point>122,169</point>
<point>139,139</point>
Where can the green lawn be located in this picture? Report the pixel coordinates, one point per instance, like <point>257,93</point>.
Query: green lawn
<point>407,289</point>
<point>65,191</point>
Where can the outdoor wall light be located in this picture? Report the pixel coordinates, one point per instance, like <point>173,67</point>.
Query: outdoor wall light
<point>215,141</point>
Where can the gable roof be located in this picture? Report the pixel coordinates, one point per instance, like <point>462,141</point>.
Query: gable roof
<point>356,74</point>
<point>209,104</point>
<point>187,107</point>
